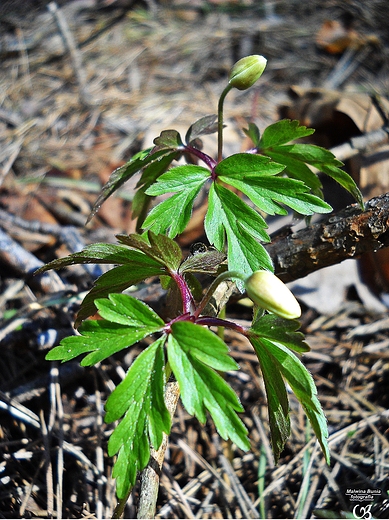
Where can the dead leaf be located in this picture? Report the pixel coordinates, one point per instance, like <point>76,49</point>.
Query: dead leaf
<point>337,117</point>
<point>335,38</point>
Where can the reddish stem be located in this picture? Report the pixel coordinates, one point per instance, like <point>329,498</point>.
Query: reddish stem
<point>210,321</point>
<point>188,305</point>
<point>207,159</point>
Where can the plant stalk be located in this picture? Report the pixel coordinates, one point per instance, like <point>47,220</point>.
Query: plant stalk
<point>227,275</point>
<point>220,123</point>
<point>151,474</point>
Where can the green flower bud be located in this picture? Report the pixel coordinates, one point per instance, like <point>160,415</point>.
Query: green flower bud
<point>246,71</point>
<point>268,292</point>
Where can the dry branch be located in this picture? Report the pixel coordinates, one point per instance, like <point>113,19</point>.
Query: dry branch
<point>346,234</point>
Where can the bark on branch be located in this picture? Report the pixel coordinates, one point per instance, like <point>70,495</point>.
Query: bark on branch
<point>346,234</point>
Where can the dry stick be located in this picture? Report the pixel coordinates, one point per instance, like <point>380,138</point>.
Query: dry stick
<point>332,483</point>
<point>247,508</point>
<point>349,62</point>
<point>177,494</point>
<point>25,263</point>
<point>49,469</point>
<point>30,487</point>
<point>99,451</point>
<point>74,53</point>
<point>150,476</point>
<point>60,460</point>
<point>307,487</point>
<point>361,143</point>
<point>346,234</point>
<point>189,489</point>
<point>14,155</point>
<point>53,394</point>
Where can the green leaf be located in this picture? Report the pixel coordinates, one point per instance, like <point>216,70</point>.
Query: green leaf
<point>103,338</point>
<point>140,398</point>
<point>299,379</point>
<point>150,174</point>
<point>255,176</point>
<point>305,390</point>
<point>155,169</point>
<point>127,310</point>
<point>204,126</point>
<point>125,172</point>
<point>344,179</point>
<point>173,214</point>
<point>242,165</point>
<point>181,178</point>
<point>136,267</point>
<point>192,351</point>
<point>169,139</point>
<point>237,213</point>
<point>283,132</point>
<point>277,398</point>
<point>267,193</point>
<point>105,254</point>
<point>157,247</point>
<point>114,281</point>
<point>207,262</point>
<point>204,345</point>
<point>297,169</point>
<point>253,133</point>
<point>228,216</point>
<point>280,330</point>
<point>296,156</point>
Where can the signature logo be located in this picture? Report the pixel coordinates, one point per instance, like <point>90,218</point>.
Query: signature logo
<point>360,511</point>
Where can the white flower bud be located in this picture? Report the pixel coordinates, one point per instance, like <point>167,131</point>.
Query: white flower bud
<point>246,71</point>
<point>270,293</point>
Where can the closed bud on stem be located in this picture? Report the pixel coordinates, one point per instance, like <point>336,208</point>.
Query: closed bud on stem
<point>270,293</point>
<point>246,71</point>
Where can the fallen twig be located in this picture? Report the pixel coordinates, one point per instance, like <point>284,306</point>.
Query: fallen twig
<point>346,234</point>
<point>74,53</point>
<point>25,263</point>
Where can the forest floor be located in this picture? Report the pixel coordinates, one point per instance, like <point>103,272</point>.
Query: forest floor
<point>70,113</point>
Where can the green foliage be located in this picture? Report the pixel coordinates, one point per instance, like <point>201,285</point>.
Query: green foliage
<point>193,352</point>
<point>141,160</point>
<point>273,178</point>
<point>296,157</point>
<point>204,126</point>
<point>128,320</point>
<point>194,355</point>
<point>273,345</point>
<point>255,176</point>
<point>140,257</point>
<point>140,399</point>
<point>156,247</point>
<point>229,216</point>
<point>172,215</point>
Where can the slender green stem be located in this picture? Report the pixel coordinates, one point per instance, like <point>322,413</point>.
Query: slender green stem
<point>227,275</point>
<point>220,123</point>
<point>220,329</point>
<point>119,509</point>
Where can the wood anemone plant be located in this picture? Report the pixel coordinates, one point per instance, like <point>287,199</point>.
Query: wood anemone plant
<point>184,357</point>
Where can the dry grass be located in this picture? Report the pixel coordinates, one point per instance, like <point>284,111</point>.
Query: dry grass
<point>62,130</point>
